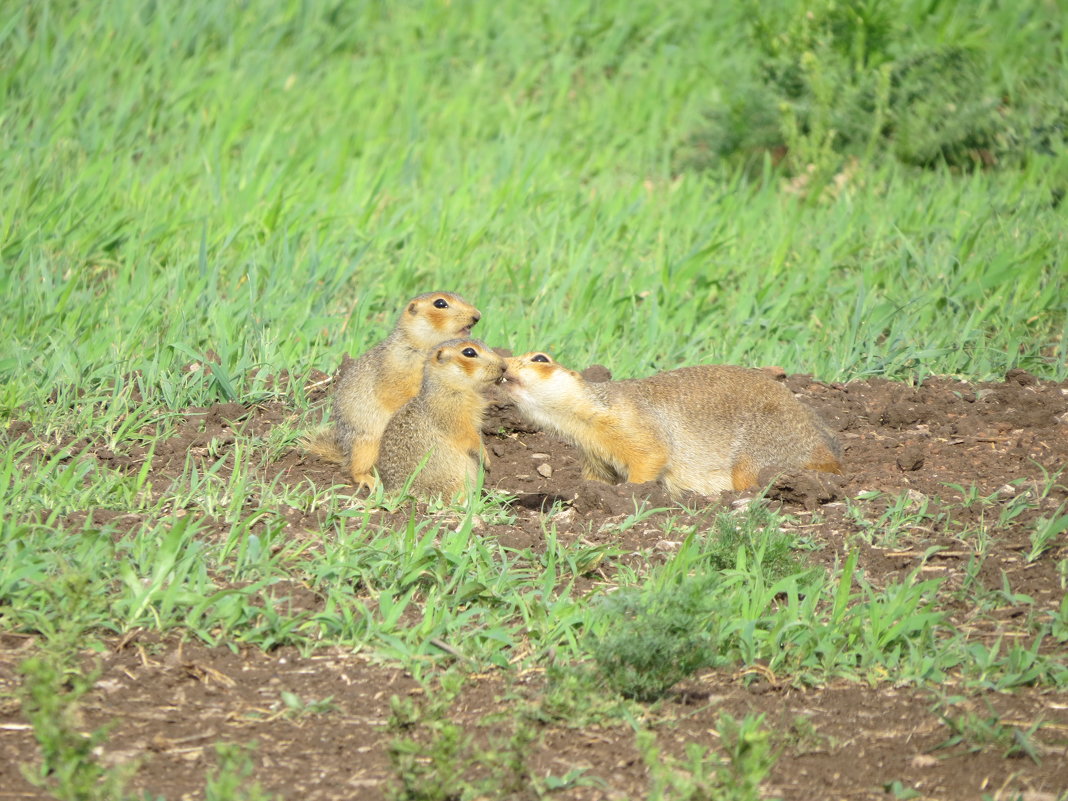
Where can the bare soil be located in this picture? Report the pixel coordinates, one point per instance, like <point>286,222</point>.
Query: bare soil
<point>926,446</point>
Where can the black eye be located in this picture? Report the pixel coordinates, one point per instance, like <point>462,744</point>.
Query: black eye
<point>470,353</point>
<point>539,357</point>
<point>441,303</point>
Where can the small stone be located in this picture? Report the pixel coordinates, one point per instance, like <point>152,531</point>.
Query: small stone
<point>539,456</point>
<point>916,497</point>
<point>545,470</point>
<point>564,517</point>
<point>477,524</point>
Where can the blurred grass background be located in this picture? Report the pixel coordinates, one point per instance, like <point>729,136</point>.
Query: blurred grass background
<point>839,187</point>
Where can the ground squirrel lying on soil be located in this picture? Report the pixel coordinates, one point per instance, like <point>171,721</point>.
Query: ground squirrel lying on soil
<point>441,428</point>
<point>372,388</point>
<point>705,429</point>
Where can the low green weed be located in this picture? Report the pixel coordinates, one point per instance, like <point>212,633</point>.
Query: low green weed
<point>574,696</point>
<point>901,791</point>
<point>702,776</point>
<point>994,667</point>
<point>650,642</point>
<point>54,682</point>
<point>428,752</point>
<point>750,756</point>
<point>230,780</point>
<point>646,638</point>
<point>976,731</point>
<point>757,531</point>
<point>691,778</point>
<point>1047,533</point>
<point>296,707</point>
<point>904,514</point>
<point>70,768</point>
<point>1059,627</point>
<point>436,759</point>
<point>802,737</point>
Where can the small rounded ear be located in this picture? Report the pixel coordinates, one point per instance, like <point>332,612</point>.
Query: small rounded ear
<point>439,355</point>
<point>411,307</point>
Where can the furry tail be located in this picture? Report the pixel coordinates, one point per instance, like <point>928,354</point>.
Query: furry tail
<point>323,443</point>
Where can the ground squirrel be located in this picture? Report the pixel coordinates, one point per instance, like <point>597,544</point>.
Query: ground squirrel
<point>706,429</point>
<point>441,427</point>
<point>372,388</point>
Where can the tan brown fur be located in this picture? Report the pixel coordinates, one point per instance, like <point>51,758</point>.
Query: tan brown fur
<point>703,429</point>
<point>370,389</point>
<point>441,428</point>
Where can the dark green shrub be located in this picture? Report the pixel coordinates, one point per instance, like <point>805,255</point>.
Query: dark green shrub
<point>840,79</point>
<point>649,643</point>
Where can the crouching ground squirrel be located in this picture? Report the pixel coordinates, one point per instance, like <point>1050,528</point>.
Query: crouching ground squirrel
<point>441,428</point>
<point>705,429</point>
<point>372,388</point>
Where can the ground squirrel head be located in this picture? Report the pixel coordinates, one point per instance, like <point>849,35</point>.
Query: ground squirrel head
<point>466,363</point>
<point>434,317</point>
<point>536,383</point>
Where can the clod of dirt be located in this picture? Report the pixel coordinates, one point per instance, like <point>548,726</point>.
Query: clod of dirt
<point>911,458</point>
<point>17,428</point>
<point>899,414</point>
<point>806,487</point>
<point>226,413</point>
<point>501,416</point>
<point>1021,377</point>
<point>617,500</point>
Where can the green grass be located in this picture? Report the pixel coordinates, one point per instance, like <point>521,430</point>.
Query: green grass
<point>195,197</point>
<point>269,183</point>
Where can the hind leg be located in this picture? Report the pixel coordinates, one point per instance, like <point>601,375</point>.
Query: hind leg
<point>743,473</point>
<point>594,469</point>
<point>646,466</point>
<point>824,460</point>
<point>706,482</point>
<point>363,458</point>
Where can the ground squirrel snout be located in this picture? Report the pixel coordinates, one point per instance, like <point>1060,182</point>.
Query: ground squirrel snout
<point>438,434</point>
<point>371,389</point>
<point>703,429</point>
